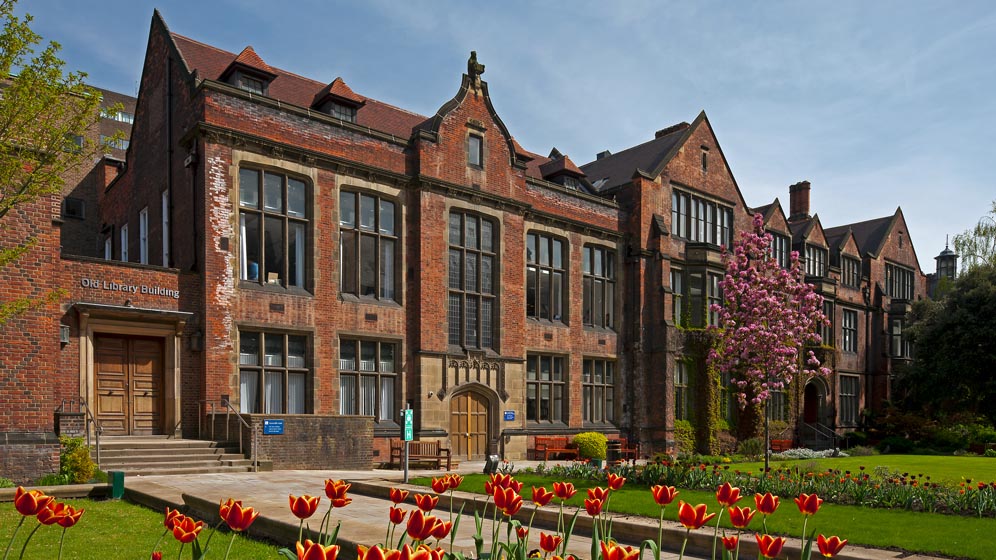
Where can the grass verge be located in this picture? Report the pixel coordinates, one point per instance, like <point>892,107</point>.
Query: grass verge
<point>965,537</point>
<point>115,530</point>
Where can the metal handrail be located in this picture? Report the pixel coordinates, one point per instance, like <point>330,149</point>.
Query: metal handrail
<point>83,407</point>
<point>228,412</point>
<point>822,432</point>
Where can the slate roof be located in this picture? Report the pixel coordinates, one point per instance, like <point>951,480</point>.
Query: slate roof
<point>869,235</point>
<point>618,169</point>
<point>212,62</point>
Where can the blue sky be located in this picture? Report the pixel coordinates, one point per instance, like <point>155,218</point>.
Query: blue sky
<point>878,104</point>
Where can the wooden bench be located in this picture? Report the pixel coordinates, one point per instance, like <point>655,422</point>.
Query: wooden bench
<point>559,447</point>
<point>421,452</point>
<point>779,445</point>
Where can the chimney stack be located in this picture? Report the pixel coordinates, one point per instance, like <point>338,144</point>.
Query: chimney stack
<point>799,201</point>
<point>603,155</point>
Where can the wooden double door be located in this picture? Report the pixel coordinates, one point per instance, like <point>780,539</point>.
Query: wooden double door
<point>128,383</point>
<point>469,421</point>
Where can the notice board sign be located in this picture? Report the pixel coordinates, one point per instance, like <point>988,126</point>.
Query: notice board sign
<point>273,427</point>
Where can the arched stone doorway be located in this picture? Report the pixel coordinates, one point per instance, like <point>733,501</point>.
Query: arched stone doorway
<point>815,404</point>
<point>471,414</point>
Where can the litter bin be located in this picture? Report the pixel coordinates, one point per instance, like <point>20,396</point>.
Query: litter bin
<point>116,480</point>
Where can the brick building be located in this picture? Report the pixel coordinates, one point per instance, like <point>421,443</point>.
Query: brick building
<point>316,256</point>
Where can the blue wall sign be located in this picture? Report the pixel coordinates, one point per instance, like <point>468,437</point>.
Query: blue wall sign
<point>273,427</point>
<point>509,415</point>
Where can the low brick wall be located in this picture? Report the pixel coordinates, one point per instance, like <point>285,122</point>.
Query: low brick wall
<point>309,441</point>
<point>27,456</point>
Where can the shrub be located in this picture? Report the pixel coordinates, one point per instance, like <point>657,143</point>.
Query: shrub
<point>990,453</point>
<point>861,451</point>
<point>53,479</point>
<point>896,444</point>
<point>591,445</point>
<point>752,448</point>
<point>684,436</point>
<point>6,482</point>
<point>856,439</point>
<point>75,464</point>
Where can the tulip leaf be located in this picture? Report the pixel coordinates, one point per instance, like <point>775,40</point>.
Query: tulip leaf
<point>287,553</point>
<point>568,531</point>
<point>333,537</point>
<point>653,546</point>
<point>808,549</point>
<point>596,551</point>
<point>197,554</point>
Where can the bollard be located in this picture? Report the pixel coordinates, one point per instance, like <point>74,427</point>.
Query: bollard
<point>116,480</point>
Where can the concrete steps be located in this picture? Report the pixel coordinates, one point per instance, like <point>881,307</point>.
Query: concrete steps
<point>158,455</point>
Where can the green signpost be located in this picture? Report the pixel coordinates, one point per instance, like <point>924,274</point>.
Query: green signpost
<point>408,434</point>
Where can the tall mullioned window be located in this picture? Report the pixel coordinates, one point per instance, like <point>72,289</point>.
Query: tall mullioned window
<point>545,388</point>
<point>816,261</point>
<point>850,272</point>
<point>682,406</point>
<point>368,244</point>
<point>677,296</point>
<point>850,391</point>
<point>697,219</point>
<point>368,378</point>
<point>546,277</point>
<point>598,382</point>
<point>273,228</point>
<point>599,286</point>
<point>781,249</point>
<point>849,331</point>
<point>898,282</point>
<point>472,275</point>
<point>273,373</point>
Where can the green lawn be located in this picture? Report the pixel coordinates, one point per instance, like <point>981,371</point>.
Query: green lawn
<point>917,532</point>
<point>114,530</point>
<point>939,467</point>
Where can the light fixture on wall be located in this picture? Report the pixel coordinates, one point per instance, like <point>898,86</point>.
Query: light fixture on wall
<point>64,334</point>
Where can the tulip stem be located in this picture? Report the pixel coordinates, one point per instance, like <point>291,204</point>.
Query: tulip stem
<point>660,535</point>
<point>715,533</point>
<point>31,534</point>
<point>161,537</point>
<point>62,539</point>
<point>12,537</point>
<point>802,545</point>
<point>300,531</point>
<point>179,555</point>
<point>230,543</point>
<point>684,544</point>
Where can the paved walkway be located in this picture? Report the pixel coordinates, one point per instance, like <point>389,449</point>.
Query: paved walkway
<point>365,520</point>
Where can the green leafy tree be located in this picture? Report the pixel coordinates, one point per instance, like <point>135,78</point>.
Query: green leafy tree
<point>977,246</point>
<point>955,349</point>
<point>45,113</point>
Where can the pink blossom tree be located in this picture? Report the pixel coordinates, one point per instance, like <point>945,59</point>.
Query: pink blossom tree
<point>770,314</point>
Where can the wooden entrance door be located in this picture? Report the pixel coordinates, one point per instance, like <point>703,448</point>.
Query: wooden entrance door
<point>469,426</point>
<point>128,383</point>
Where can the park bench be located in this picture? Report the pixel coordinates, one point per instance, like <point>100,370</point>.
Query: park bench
<point>559,447</point>
<point>620,451</point>
<point>779,445</point>
<point>421,452</point>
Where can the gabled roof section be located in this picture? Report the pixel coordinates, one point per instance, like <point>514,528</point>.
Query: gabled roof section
<point>771,211</point>
<point>802,230</point>
<point>206,62</point>
<point>870,235</point>
<point>615,170</point>
<point>250,60</point>
<point>468,83</point>
<point>338,90</point>
<point>561,165</point>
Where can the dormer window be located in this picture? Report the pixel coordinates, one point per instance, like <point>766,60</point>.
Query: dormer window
<point>343,112</point>
<point>250,84</point>
<point>572,183</point>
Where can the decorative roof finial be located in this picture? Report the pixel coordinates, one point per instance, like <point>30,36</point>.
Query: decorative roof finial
<point>474,69</point>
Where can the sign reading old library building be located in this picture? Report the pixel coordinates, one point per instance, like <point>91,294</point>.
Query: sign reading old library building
<point>112,286</point>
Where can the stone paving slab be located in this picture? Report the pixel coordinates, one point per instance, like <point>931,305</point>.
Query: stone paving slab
<point>365,520</point>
